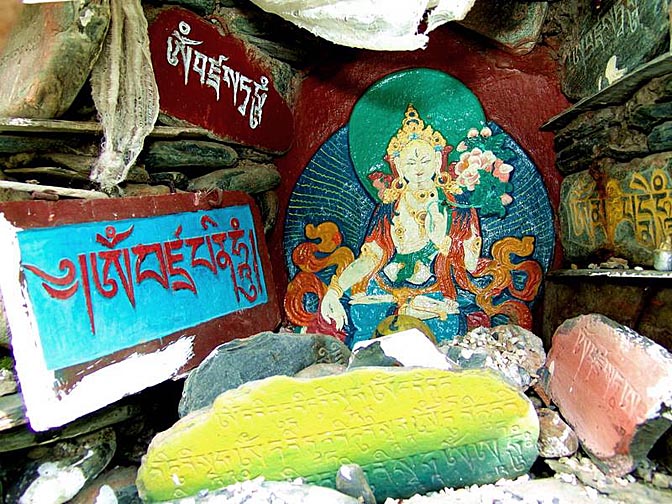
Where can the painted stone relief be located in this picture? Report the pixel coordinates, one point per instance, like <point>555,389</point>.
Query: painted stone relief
<point>420,207</point>
<point>128,293</point>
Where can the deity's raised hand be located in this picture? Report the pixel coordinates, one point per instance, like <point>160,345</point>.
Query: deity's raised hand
<point>332,310</point>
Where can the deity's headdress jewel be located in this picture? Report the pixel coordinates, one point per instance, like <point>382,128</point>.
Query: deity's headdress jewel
<point>413,128</point>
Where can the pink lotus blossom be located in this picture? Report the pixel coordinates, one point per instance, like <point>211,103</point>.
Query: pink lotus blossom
<point>472,133</point>
<point>469,178</point>
<point>486,132</point>
<point>506,199</point>
<point>461,147</point>
<point>502,170</point>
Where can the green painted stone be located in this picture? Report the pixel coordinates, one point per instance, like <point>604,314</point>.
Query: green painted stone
<point>660,138</point>
<point>627,214</point>
<point>411,430</point>
<point>165,155</point>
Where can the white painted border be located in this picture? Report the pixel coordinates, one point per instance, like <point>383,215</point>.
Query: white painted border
<point>46,407</point>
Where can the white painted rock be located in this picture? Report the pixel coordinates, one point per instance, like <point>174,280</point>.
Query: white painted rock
<point>409,348</point>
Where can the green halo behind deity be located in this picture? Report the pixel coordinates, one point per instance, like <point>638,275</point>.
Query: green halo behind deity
<point>441,100</point>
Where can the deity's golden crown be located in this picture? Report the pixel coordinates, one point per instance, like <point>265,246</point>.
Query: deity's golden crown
<point>413,128</point>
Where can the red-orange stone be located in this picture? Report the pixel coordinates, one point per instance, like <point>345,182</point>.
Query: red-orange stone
<point>612,386</point>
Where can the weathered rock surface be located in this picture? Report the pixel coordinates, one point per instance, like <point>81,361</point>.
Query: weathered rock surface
<point>49,55</point>
<point>61,470</point>
<point>352,481</point>
<point>247,176</point>
<point>556,438</point>
<point>269,205</point>
<point>179,154</point>
<point>509,349</point>
<point>114,486</point>
<point>405,348</point>
<point>320,370</point>
<point>176,180</point>
<point>259,491</point>
<point>130,190</point>
<point>612,386</point>
<point>265,354</point>
<point>514,26</point>
<point>7,382</point>
<point>411,431</point>
<point>660,138</point>
<point>615,489</point>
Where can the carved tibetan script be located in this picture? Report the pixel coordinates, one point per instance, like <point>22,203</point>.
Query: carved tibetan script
<point>217,82</point>
<point>90,286</point>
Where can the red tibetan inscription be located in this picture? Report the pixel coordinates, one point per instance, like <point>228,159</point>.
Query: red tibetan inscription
<point>217,82</point>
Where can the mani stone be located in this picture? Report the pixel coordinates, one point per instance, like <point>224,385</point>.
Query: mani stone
<point>265,354</point>
<point>49,56</point>
<point>410,430</point>
<point>178,154</point>
<point>612,386</point>
<point>660,138</point>
<point>514,26</point>
<point>247,176</point>
<point>624,216</point>
<point>61,470</point>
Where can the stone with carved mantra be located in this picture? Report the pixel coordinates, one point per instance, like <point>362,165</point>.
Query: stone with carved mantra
<point>411,431</point>
<point>613,386</point>
<point>624,212</point>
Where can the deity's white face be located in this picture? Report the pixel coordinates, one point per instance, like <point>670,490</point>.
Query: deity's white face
<point>418,162</point>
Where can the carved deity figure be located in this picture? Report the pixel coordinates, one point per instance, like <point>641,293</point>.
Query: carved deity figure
<point>418,239</point>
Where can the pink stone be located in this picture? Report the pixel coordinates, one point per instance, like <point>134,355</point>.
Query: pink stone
<point>612,386</point>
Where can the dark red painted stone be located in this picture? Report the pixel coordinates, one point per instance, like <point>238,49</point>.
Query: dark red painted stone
<point>611,385</point>
<point>217,82</point>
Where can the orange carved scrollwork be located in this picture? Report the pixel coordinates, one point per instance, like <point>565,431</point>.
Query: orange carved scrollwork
<point>311,257</point>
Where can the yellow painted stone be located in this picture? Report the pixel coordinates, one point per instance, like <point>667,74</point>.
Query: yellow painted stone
<point>412,430</point>
<point>398,323</point>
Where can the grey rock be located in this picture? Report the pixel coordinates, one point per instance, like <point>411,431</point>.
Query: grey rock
<point>49,56</point>
<point>556,438</point>
<point>176,180</point>
<point>258,491</point>
<point>112,486</point>
<point>372,355</point>
<point>60,471</point>
<point>660,138</point>
<point>130,190</point>
<point>15,144</point>
<point>247,176</point>
<point>200,7</point>
<point>352,481</point>
<point>319,370</point>
<point>265,354</point>
<point>178,154</point>
<point>645,117</point>
<point>510,349</point>
<point>269,205</point>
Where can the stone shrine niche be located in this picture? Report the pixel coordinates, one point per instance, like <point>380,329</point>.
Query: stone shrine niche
<point>419,206</point>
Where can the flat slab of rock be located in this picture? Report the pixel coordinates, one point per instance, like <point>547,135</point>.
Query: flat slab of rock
<point>411,430</point>
<point>49,56</point>
<point>265,354</point>
<point>612,386</point>
<point>180,154</point>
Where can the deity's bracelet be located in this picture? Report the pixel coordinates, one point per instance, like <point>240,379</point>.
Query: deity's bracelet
<point>335,286</point>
